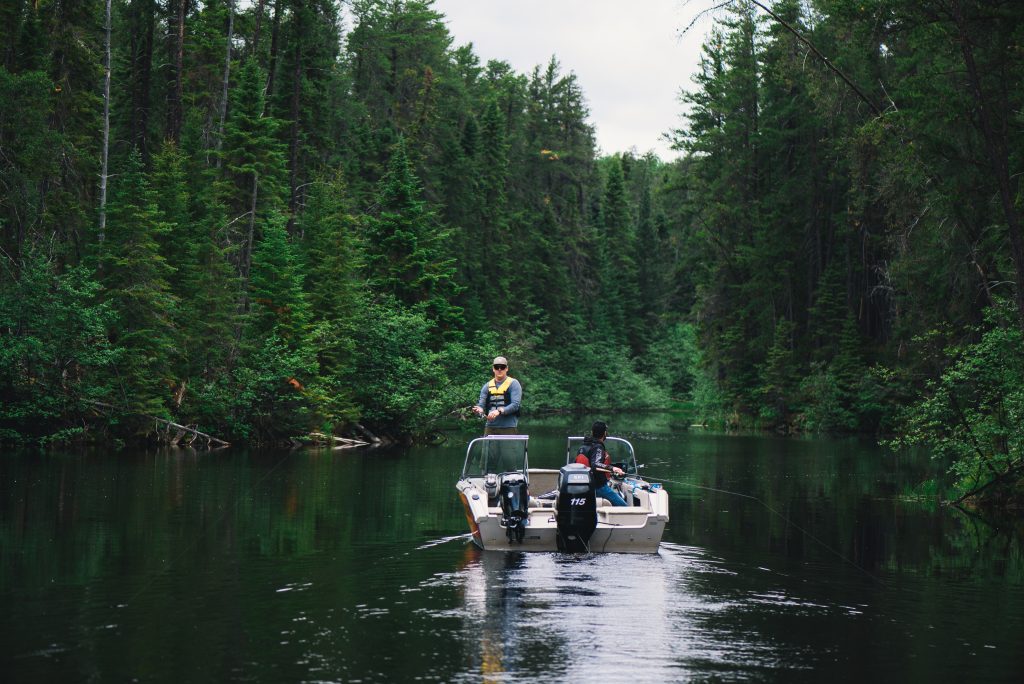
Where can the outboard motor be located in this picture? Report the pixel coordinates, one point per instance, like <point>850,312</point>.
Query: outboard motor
<point>576,509</point>
<point>514,499</point>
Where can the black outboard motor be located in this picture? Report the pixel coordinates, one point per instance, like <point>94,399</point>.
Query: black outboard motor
<point>514,499</point>
<point>576,509</point>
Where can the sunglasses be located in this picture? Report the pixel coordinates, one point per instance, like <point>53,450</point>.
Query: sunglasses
<point>500,366</point>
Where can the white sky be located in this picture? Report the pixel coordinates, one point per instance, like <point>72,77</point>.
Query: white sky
<point>630,58</point>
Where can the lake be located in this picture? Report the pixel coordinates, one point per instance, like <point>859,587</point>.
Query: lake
<point>784,560</point>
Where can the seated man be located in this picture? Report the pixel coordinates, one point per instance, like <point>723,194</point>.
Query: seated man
<point>593,455</point>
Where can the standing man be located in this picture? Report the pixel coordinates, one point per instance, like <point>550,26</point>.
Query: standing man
<point>500,398</point>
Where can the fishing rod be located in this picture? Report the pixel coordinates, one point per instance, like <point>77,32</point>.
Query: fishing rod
<point>775,512</point>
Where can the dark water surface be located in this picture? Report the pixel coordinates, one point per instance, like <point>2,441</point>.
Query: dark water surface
<point>354,566</point>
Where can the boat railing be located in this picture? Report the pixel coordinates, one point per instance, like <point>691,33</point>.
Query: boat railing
<point>496,454</point>
<point>620,449</point>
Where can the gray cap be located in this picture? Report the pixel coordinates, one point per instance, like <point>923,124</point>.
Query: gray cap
<point>500,359</point>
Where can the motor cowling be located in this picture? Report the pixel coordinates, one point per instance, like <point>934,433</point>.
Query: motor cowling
<point>575,509</point>
<point>514,500</point>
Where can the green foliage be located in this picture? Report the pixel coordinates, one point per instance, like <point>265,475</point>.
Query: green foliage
<point>779,374</point>
<point>408,254</point>
<point>382,213</point>
<point>973,414</point>
<point>399,379</point>
<point>675,360</point>
<point>29,152</point>
<point>135,277</point>
<point>54,350</point>
<point>827,402</point>
<point>278,301</point>
<point>266,398</point>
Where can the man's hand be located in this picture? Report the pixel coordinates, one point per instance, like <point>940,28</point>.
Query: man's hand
<point>493,414</point>
<point>618,472</point>
<point>478,411</point>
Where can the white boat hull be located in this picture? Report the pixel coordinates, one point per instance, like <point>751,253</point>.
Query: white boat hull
<point>636,528</point>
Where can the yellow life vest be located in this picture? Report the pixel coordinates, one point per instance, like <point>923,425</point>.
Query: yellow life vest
<point>498,396</point>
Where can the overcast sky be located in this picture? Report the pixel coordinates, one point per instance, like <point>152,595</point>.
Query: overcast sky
<point>629,57</point>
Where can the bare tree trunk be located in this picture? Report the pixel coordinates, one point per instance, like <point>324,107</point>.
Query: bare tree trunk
<point>106,133</point>
<point>293,143</point>
<point>250,237</point>
<point>142,29</point>
<point>258,27</point>
<point>825,60</point>
<point>226,79</point>
<point>274,35</point>
<point>177,10</point>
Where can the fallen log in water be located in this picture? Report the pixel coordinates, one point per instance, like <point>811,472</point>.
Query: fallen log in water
<point>339,442</point>
<point>182,430</point>
<point>196,434</point>
<point>369,435</point>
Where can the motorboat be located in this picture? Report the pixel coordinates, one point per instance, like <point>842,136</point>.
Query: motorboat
<point>511,506</point>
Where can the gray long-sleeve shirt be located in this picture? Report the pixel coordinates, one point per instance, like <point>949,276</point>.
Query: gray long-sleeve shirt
<point>510,412</point>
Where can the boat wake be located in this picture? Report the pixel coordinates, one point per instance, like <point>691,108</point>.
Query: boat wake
<point>444,540</point>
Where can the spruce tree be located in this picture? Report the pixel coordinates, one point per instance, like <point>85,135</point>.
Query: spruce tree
<point>252,184</point>
<point>407,247</point>
<point>618,239</point>
<point>277,361</point>
<point>135,277</point>
<point>335,291</point>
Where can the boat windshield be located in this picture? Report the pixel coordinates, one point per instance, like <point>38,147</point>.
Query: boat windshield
<point>495,454</point>
<point>620,450</point>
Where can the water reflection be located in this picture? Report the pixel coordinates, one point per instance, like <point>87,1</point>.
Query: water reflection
<point>314,566</point>
<point>645,618</point>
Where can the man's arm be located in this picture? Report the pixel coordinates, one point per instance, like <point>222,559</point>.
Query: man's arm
<point>516,392</point>
<point>603,463</point>
<point>481,403</point>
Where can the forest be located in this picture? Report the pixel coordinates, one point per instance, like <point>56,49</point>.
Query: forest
<point>265,218</point>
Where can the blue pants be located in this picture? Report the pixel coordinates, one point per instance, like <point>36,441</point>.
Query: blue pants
<point>607,492</point>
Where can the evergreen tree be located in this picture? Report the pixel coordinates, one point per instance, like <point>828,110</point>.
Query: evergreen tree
<point>618,271</point>
<point>30,158</point>
<point>407,247</point>
<point>135,279</point>
<point>54,351</point>
<point>335,292</point>
<point>205,285</point>
<point>252,182</point>
<point>279,304</point>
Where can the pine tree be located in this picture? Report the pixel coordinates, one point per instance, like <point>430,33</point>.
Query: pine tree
<point>780,374</point>
<point>277,361</point>
<point>205,284</point>
<point>253,172</point>
<point>30,158</point>
<point>335,291</point>
<point>135,279</point>
<point>618,240</point>
<point>407,247</point>
<point>279,305</point>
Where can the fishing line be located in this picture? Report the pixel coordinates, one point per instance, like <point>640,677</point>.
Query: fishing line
<point>199,538</point>
<point>782,516</point>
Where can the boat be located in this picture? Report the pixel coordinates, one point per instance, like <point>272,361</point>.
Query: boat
<point>511,506</point>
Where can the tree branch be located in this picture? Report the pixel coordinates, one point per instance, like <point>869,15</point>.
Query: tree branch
<point>823,58</point>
